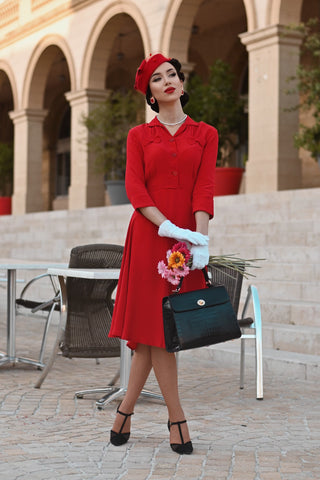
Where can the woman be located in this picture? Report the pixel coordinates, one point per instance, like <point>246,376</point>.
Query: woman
<point>169,181</point>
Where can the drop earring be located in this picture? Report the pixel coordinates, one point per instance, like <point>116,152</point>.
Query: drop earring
<point>152,100</point>
<point>182,92</point>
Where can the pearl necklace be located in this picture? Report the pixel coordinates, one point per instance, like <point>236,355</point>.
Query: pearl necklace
<point>173,124</point>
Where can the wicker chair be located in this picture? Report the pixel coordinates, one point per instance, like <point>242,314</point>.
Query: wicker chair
<point>251,328</point>
<point>89,310</point>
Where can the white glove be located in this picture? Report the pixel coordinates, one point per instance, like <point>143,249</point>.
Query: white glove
<point>168,229</point>
<point>200,256</point>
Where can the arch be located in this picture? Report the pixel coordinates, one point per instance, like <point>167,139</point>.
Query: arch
<point>40,61</point>
<point>251,14</point>
<point>92,75</point>
<point>177,29</point>
<point>284,12</point>
<point>5,67</point>
<point>181,32</point>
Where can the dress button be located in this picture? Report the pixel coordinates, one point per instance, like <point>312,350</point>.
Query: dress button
<point>174,173</point>
<point>171,139</point>
<point>174,154</point>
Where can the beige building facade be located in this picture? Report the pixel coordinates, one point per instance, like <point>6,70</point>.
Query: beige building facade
<point>58,58</point>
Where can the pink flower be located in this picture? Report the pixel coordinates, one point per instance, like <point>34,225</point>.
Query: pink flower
<point>163,269</point>
<point>171,272</point>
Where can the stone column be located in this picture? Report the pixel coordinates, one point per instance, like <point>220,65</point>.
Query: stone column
<point>273,161</point>
<point>87,186</point>
<point>187,68</point>
<point>28,132</point>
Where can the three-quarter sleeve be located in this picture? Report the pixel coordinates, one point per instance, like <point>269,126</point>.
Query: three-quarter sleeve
<point>135,172</point>
<point>203,192</point>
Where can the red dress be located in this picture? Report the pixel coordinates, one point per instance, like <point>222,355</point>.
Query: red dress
<point>175,173</point>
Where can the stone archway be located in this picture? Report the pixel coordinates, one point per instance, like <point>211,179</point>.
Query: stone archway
<point>310,167</point>
<point>47,53</point>
<point>251,13</point>
<point>6,105</point>
<point>10,79</point>
<point>273,56</point>
<point>284,12</point>
<point>125,19</point>
<point>177,30</point>
<point>50,74</point>
<point>116,45</point>
<point>8,98</point>
<point>198,33</point>
<point>178,27</point>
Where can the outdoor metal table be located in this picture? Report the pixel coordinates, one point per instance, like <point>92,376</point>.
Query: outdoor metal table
<point>11,265</point>
<point>111,392</point>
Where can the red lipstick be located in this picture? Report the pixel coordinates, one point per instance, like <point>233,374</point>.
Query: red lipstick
<point>169,90</point>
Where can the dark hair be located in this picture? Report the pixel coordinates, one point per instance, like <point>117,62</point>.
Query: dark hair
<point>183,99</point>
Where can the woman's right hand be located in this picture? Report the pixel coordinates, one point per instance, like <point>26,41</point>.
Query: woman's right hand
<point>168,229</point>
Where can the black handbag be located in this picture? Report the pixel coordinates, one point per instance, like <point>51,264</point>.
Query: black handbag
<point>198,318</point>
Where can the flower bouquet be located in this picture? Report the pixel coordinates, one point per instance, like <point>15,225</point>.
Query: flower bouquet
<point>179,263</point>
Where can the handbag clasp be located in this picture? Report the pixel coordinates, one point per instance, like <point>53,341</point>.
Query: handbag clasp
<point>201,302</point>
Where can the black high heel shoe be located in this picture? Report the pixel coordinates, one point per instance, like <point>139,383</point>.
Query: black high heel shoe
<point>180,448</point>
<point>119,438</point>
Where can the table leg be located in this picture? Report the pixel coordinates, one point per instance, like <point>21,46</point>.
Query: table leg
<point>125,364</point>
<point>10,357</point>
<point>11,315</point>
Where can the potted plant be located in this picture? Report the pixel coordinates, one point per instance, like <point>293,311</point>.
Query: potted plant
<point>6,178</point>
<point>217,103</point>
<point>108,125</point>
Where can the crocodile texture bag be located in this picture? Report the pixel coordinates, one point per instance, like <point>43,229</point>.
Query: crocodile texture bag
<point>198,318</point>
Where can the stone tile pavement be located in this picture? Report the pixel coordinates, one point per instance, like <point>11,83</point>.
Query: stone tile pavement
<point>47,434</point>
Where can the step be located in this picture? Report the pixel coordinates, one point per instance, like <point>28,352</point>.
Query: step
<point>270,290</point>
<point>275,362</point>
<point>290,312</point>
<point>264,236</point>
<point>269,229</point>
<point>302,272</point>
<point>297,338</point>
<point>269,207</point>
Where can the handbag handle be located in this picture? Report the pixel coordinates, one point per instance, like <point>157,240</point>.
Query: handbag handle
<point>206,277</point>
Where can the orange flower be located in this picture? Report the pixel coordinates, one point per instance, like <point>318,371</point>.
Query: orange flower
<point>176,260</point>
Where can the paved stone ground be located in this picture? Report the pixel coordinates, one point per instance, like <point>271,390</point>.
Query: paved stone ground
<point>47,434</point>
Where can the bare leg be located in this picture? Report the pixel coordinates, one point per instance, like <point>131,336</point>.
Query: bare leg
<point>139,372</point>
<point>165,369</point>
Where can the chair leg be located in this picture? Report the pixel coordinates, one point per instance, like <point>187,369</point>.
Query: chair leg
<point>115,379</point>
<point>60,333</point>
<point>50,361</point>
<point>45,334</point>
<point>242,362</point>
<point>258,327</point>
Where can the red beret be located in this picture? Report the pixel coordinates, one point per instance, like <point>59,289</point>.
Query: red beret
<point>146,69</point>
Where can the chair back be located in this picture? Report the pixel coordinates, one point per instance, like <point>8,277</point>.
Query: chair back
<point>90,304</point>
<point>232,281</point>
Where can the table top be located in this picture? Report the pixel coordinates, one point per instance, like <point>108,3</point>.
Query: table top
<point>23,264</point>
<point>90,273</point>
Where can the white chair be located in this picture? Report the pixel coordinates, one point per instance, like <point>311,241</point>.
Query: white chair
<point>251,327</point>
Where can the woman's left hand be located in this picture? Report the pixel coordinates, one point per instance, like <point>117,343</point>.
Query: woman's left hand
<point>200,256</point>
